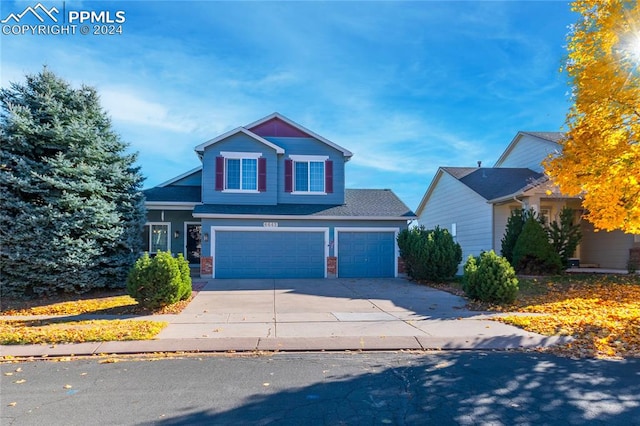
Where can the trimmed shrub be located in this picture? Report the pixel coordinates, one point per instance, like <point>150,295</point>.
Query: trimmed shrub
<point>185,273</point>
<point>533,254</point>
<point>429,254</point>
<point>490,278</point>
<point>158,281</point>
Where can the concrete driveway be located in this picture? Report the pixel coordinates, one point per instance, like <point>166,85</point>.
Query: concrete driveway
<point>341,314</point>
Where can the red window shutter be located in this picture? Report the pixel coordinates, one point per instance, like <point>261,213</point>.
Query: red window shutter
<point>328,176</point>
<point>262,174</point>
<point>219,173</point>
<point>288,175</point>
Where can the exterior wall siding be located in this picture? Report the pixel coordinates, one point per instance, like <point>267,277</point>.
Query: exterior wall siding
<point>176,219</point>
<point>309,146</point>
<point>238,143</point>
<point>194,179</point>
<point>452,202</point>
<point>607,249</point>
<point>528,152</point>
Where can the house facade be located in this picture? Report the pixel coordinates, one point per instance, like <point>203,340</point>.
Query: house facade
<point>474,203</point>
<point>269,201</point>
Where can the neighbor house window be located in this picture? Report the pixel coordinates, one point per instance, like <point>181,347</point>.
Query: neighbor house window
<point>310,174</point>
<point>241,171</point>
<point>156,237</point>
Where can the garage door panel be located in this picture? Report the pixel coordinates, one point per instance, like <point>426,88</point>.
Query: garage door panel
<point>366,254</point>
<point>269,254</point>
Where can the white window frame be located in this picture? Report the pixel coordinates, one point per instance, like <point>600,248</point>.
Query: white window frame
<point>149,243</point>
<point>309,159</point>
<point>240,156</point>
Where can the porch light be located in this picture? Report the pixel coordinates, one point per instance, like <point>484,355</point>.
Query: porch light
<point>205,237</point>
<point>176,234</point>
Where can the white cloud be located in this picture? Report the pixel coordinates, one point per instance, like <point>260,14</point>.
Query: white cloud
<point>124,105</point>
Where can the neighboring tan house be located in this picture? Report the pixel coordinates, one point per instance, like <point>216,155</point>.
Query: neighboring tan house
<point>269,201</point>
<point>474,203</point>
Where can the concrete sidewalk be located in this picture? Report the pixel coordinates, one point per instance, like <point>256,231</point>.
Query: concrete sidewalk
<point>315,315</point>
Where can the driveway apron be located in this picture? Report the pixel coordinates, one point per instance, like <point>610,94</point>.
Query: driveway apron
<point>339,308</point>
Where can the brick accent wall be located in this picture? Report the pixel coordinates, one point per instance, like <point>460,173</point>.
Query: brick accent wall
<point>332,266</point>
<point>401,266</point>
<point>206,266</point>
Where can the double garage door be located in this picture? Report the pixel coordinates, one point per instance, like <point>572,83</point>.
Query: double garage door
<point>288,253</point>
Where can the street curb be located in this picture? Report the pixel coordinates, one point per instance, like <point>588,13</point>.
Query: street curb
<point>309,344</point>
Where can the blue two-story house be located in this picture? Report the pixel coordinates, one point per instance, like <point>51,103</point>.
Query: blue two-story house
<point>269,201</point>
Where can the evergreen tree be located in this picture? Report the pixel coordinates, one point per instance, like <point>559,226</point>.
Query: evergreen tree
<point>533,254</point>
<point>71,212</point>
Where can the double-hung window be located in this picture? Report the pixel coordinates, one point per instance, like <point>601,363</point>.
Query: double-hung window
<point>309,174</point>
<point>240,171</point>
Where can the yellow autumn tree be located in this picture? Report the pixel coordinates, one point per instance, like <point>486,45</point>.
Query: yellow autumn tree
<point>600,158</point>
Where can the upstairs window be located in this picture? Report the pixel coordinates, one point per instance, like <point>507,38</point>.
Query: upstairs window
<point>306,174</point>
<point>240,172</point>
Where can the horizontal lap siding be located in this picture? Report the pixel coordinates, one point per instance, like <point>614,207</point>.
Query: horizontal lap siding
<point>528,152</point>
<point>453,202</point>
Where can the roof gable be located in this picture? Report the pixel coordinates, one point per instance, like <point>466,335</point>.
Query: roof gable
<point>200,148</point>
<point>552,138</point>
<point>285,127</point>
<point>184,176</point>
<point>276,127</point>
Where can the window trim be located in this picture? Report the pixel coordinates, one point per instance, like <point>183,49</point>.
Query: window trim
<point>238,155</point>
<point>149,244</point>
<point>309,159</point>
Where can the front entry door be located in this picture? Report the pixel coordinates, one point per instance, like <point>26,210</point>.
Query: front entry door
<point>193,243</point>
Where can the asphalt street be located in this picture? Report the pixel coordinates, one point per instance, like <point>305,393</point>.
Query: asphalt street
<point>369,388</point>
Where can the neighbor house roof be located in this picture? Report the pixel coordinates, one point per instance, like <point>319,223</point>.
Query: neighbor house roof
<point>359,203</point>
<point>491,183</point>
<point>549,136</point>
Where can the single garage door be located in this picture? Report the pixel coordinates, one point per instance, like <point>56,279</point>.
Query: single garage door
<point>366,254</point>
<point>269,254</point>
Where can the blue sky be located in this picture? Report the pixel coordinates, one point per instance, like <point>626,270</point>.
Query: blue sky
<point>406,86</point>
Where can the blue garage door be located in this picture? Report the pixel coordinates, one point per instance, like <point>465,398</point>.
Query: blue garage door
<point>366,254</point>
<point>269,254</point>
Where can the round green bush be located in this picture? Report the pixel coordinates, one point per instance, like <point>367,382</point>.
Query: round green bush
<point>158,281</point>
<point>429,254</point>
<point>490,278</point>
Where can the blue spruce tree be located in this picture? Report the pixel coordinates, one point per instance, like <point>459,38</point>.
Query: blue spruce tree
<point>71,207</point>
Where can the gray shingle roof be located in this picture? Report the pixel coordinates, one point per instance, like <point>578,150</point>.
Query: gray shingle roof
<point>188,194</point>
<point>491,183</point>
<point>550,136</point>
<point>358,203</point>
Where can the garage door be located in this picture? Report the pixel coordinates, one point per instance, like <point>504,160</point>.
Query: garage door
<point>366,254</point>
<point>269,254</point>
